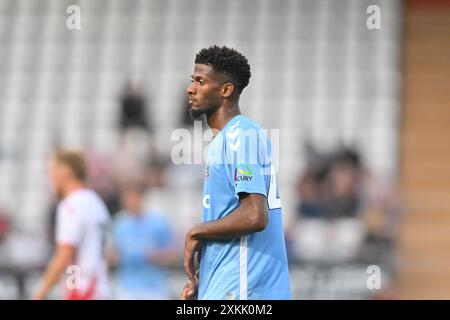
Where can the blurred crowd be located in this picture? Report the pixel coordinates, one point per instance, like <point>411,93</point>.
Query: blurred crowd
<point>345,213</point>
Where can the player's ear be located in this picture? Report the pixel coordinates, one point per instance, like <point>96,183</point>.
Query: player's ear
<point>227,90</point>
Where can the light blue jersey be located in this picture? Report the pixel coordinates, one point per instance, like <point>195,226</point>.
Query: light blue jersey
<point>254,266</point>
<point>135,239</point>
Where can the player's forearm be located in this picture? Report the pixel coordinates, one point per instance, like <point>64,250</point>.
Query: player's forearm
<point>239,223</point>
<point>54,271</point>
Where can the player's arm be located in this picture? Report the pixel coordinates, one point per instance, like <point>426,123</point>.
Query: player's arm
<point>249,217</point>
<point>64,256</point>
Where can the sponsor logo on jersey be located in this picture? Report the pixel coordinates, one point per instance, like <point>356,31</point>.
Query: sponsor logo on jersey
<point>243,173</point>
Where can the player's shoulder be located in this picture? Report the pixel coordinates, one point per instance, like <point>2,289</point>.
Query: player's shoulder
<point>84,197</point>
<point>72,201</point>
<point>243,130</point>
<point>242,126</point>
<point>121,219</point>
<point>68,207</point>
<point>83,200</point>
<point>242,122</point>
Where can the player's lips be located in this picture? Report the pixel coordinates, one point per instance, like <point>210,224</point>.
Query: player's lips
<point>191,101</point>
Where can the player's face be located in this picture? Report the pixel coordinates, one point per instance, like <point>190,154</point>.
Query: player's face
<point>57,176</point>
<point>131,201</point>
<point>204,92</point>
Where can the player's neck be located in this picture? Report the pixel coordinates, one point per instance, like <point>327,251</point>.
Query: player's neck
<point>220,118</point>
<point>73,186</point>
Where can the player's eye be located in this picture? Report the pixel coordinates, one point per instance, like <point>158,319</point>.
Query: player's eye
<point>202,82</point>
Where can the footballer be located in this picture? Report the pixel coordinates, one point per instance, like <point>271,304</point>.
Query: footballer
<point>81,225</point>
<point>240,244</point>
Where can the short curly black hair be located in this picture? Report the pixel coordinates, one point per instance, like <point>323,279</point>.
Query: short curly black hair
<point>227,61</point>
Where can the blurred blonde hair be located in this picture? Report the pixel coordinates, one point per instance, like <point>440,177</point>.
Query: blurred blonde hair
<point>75,160</point>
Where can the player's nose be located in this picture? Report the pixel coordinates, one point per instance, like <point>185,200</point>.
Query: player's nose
<point>190,89</point>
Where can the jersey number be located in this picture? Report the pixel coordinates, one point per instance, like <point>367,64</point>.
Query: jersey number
<point>273,201</point>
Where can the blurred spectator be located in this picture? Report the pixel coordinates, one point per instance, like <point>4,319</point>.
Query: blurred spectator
<point>142,248</point>
<point>310,193</point>
<point>133,112</point>
<point>344,188</point>
<point>331,186</point>
<point>350,206</point>
<point>382,212</point>
<point>138,149</point>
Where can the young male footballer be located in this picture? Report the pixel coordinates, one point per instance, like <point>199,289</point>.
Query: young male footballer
<point>81,230</point>
<point>240,244</point>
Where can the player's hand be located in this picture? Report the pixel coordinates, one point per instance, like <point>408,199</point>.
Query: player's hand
<point>191,247</point>
<point>190,290</point>
<point>39,295</point>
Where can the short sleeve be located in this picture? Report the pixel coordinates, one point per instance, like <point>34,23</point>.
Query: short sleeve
<point>247,150</point>
<point>69,225</point>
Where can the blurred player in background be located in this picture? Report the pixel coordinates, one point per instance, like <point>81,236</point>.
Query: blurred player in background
<point>81,229</point>
<point>143,246</point>
<point>240,243</point>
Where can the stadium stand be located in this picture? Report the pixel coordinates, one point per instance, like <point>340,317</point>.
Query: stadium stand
<point>318,75</point>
